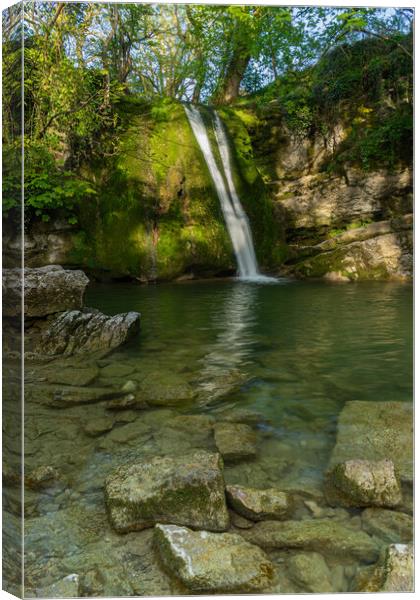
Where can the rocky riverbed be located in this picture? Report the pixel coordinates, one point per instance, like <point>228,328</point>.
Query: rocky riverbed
<point>133,486</point>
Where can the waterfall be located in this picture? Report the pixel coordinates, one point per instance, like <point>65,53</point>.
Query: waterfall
<point>234,215</point>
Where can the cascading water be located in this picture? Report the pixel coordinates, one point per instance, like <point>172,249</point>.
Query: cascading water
<point>234,215</point>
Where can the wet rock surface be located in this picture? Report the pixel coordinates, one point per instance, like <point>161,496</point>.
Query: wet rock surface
<point>235,441</point>
<point>376,431</point>
<point>210,562</point>
<point>87,331</point>
<point>388,525</point>
<point>363,483</point>
<point>259,505</point>
<point>48,290</point>
<point>187,490</point>
<point>311,572</point>
<point>320,535</point>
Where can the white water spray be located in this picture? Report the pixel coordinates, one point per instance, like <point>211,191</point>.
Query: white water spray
<point>234,215</point>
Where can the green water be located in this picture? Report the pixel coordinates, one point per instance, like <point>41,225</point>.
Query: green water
<point>291,354</point>
<point>300,348</point>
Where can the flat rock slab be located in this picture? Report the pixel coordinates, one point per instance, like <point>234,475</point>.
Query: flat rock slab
<point>361,483</point>
<point>389,525</point>
<point>376,431</point>
<point>78,376</point>
<point>184,490</point>
<point>87,331</point>
<point>211,562</point>
<point>61,396</point>
<point>318,535</point>
<point>48,290</point>
<point>235,441</point>
<point>258,505</point>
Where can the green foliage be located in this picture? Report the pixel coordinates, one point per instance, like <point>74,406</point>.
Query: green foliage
<point>48,190</point>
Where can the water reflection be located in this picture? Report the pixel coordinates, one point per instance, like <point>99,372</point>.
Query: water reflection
<point>226,363</point>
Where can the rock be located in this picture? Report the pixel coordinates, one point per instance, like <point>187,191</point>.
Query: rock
<point>184,490</point>
<point>258,505</point>
<point>311,572</point>
<point>78,376</point>
<point>319,535</point>
<point>393,573</point>
<point>242,415</point>
<point>213,562</point>
<point>235,441</point>
<point>117,370</point>
<point>376,431</point>
<point>127,401</point>
<point>388,525</point>
<point>41,477</point>
<point>64,396</point>
<point>239,521</point>
<point>165,389</point>
<point>129,387</point>
<point>68,587</point>
<point>336,277</point>
<point>98,426</point>
<point>48,290</point>
<point>362,483</point>
<point>399,569</point>
<point>87,331</point>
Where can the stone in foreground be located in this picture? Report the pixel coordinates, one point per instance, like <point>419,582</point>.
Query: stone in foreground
<point>376,431</point>
<point>258,505</point>
<point>86,331</point>
<point>211,562</point>
<point>185,490</point>
<point>48,290</point>
<point>360,483</point>
<point>310,571</point>
<point>319,535</point>
<point>235,441</point>
<point>388,525</point>
<point>394,573</point>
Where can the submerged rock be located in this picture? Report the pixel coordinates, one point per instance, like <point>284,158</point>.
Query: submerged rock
<point>363,483</point>
<point>376,431</point>
<point>211,562</point>
<point>68,587</point>
<point>235,441</point>
<point>48,290</point>
<point>311,572</point>
<point>87,331</point>
<point>42,476</point>
<point>389,525</point>
<point>165,389</point>
<point>258,505</point>
<point>98,426</point>
<point>184,490</point>
<point>320,535</point>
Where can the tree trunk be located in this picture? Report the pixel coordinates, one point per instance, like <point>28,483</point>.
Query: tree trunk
<point>229,89</point>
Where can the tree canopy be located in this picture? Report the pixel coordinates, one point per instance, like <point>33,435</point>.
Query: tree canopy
<point>81,58</point>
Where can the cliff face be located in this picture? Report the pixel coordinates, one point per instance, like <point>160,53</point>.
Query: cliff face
<point>355,224</point>
<point>156,215</point>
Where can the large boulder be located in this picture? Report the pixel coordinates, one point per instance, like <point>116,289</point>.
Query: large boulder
<point>258,505</point>
<point>213,562</point>
<point>361,483</point>
<point>86,331</point>
<point>319,535</point>
<point>376,431</point>
<point>235,441</point>
<point>183,490</point>
<point>47,290</point>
